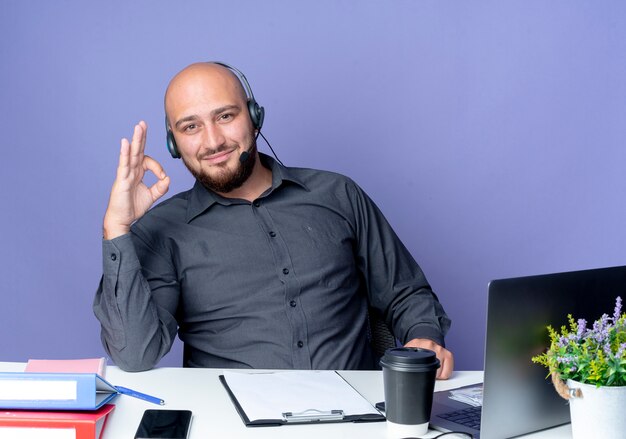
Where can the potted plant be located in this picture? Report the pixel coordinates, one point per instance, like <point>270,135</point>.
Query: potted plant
<point>588,368</point>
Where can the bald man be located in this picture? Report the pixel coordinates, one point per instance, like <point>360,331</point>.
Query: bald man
<point>258,265</point>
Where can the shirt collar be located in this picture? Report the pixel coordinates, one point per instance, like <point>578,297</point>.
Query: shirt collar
<point>202,198</point>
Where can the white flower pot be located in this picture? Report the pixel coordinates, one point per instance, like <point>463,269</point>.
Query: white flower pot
<point>599,412</point>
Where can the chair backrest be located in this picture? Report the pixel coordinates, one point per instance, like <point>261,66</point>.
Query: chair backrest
<point>380,336</point>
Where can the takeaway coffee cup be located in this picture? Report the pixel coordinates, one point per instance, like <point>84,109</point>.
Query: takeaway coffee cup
<point>409,382</point>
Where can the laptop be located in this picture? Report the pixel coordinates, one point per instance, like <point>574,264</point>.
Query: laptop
<point>517,397</point>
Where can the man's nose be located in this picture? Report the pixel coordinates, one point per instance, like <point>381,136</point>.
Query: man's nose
<point>214,137</point>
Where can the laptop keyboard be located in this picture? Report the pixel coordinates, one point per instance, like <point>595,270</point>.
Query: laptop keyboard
<point>469,417</point>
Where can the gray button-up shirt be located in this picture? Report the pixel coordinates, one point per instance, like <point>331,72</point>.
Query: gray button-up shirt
<point>282,282</point>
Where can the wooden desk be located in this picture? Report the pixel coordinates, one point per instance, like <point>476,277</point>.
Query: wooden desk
<point>200,391</point>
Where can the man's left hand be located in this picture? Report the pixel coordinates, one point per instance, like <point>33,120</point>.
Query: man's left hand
<point>445,356</point>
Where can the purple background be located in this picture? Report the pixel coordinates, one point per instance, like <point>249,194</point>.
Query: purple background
<point>491,134</point>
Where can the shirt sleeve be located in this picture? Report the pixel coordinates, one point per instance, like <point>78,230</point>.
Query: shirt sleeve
<point>136,330</point>
<point>395,283</point>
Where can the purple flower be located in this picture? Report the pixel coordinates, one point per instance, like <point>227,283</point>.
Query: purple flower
<point>618,309</point>
<point>620,350</point>
<point>564,340</point>
<point>600,330</point>
<point>566,360</point>
<point>582,328</point>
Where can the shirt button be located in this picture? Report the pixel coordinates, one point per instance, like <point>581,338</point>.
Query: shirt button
<point>285,271</point>
<point>300,344</point>
<point>292,303</point>
<point>113,257</point>
<point>273,234</point>
<point>257,203</point>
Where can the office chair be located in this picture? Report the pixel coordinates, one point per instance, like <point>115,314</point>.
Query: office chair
<point>379,334</point>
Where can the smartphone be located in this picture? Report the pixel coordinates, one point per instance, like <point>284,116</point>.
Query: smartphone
<point>170,424</point>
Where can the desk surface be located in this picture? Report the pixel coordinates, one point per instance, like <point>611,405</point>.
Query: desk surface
<point>200,391</point>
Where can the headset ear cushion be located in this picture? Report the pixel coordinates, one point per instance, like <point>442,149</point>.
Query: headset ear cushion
<point>257,113</point>
<point>171,145</point>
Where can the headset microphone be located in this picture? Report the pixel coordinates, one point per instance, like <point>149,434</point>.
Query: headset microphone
<point>244,157</point>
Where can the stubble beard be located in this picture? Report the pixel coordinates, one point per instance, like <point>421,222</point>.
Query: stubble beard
<point>225,181</point>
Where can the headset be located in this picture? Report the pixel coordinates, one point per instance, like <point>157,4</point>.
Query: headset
<point>257,113</point>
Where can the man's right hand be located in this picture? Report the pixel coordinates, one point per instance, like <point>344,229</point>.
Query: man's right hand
<point>130,197</point>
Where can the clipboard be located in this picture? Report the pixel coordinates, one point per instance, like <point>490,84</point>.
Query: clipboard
<point>296,397</point>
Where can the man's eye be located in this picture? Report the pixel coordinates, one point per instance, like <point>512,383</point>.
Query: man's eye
<point>225,117</point>
<point>191,127</point>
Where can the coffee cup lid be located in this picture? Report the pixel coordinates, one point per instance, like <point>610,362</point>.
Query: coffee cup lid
<point>410,359</point>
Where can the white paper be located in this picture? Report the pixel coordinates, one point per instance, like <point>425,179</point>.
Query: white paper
<point>471,395</point>
<point>25,390</point>
<point>37,433</point>
<point>269,395</point>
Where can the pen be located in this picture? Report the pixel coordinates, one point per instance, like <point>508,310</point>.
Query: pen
<point>134,393</point>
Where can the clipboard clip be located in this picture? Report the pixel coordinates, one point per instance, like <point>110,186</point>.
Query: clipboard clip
<point>313,415</point>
